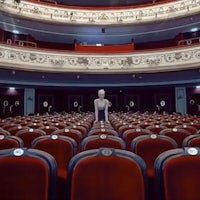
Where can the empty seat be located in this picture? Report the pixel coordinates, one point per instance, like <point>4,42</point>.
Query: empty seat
<point>4,132</point>
<point>103,140</point>
<point>123,128</point>
<point>177,174</point>
<point>72,133</point>
<point>148,147</point>
<point>62,148</point>
<point>107,174</point>
<point>156,128</point>
<point>102,131</point>
<point>189,128</point>
<point>28,135</point>
<point>48,129</point>
<point>8,141</point>
<point>14,130</point>
<point>27,174</point>
<point>130,134</point>
<point>178,134</point>
<point>192,141</point>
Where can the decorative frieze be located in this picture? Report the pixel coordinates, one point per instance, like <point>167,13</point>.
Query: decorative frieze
<point>102,17</point>
<point>149,61</point>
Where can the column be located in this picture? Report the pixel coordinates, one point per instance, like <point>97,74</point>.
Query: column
<point>29,101</point>
<point>180,98</point>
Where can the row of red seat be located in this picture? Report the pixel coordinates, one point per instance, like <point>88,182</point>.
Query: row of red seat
<point>146,148</point>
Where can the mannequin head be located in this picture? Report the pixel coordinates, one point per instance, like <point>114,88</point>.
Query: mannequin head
<point>101,93</point>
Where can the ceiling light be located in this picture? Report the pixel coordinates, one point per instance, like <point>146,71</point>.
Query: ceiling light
<point>194,29</point>
<point>15,31</point>
<point>11,88</point>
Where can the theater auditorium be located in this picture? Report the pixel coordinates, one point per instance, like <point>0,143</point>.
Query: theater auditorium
<point>99,100</point>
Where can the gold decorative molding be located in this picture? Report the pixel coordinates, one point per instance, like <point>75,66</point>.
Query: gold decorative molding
<point>146,61</point>
<point>167,11</point>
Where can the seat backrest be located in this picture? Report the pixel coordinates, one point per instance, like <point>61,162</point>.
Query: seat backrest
<point>130,134</point>
<point>4,132</point>
<point>189,128</point>
<point>177,134</point>
<point>192,141</point>
<point>28,135</point>
<point>156,128</point>
<point>72,133</point>
<point>62,148</point>
<point>48,129</point>
<point>148,147</point>
<point>103,140</point>
<point>102,131</point>
<point>7,142</point>
<point>107,174</point>
<point>14,130</point>
<point>27,174</point>
<point>177,174</point>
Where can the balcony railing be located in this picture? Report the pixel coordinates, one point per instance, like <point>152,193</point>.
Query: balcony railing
<point>172,59</point>
<point>171,10</point>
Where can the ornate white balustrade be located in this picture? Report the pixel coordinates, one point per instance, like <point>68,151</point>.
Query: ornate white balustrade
<point>153,13</point>
<point>145,61</point>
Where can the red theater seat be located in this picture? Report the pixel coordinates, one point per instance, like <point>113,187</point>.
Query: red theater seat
<point>192,141</point>
<point>4,132</point>
<point>107,174</point>
<point>156,128</point>
<point>130,134</point>
<point>62,148</point>
<point>103,140</point>
<point>177,134</point>
<point>27,174</point>
<point>102,131</point>
<point>7,142</point>
<point>28,135</point>
<point>48,129</point>
<point>148,147</point>
<point>14,130</point>
<point>74,134</point>
<point>177,174</point>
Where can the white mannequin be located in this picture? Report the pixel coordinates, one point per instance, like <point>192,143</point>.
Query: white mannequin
<point>101,107</point>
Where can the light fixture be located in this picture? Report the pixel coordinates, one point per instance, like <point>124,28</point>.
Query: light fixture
<point>11,88</point>
<point>194,29</point>
<point>15,31</point>
<point>198,86</point>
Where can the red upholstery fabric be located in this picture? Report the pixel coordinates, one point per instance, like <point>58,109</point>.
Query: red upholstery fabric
<point>156,128</point>
<point>29,135</point>
<point>149,149</point>
<point>26,177</point>
<point>106,177</point>
<point>181,178</point>
<point>8,142</point>
<point>61,149</point>
<point>18,183</point>
<point>177,134</point>
<point>74,134</point>
<point>48,129</point>
<point>102,131</point>
<point>129,135</point>
<point>192,141</point>
<point>97,141</point>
